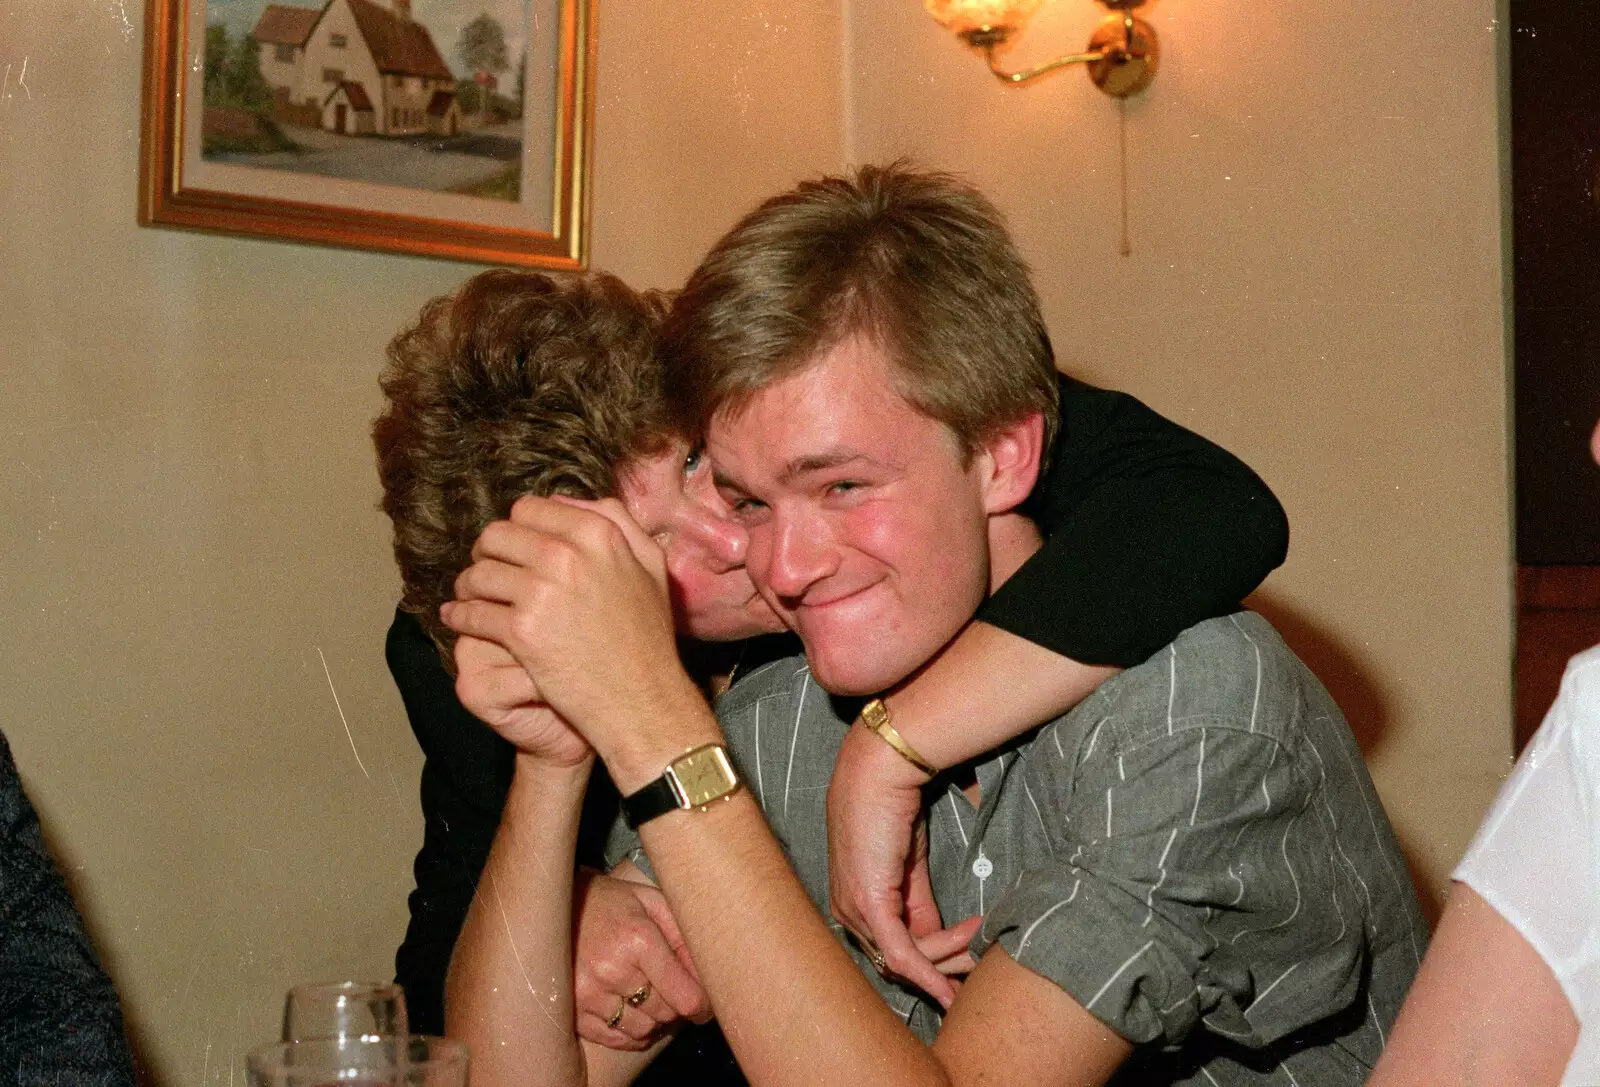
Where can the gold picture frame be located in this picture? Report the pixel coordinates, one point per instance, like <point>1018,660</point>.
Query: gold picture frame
<point>533,211</point>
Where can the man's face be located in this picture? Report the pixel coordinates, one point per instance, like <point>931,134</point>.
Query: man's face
<point>671,496</point>
<point>868,533</point>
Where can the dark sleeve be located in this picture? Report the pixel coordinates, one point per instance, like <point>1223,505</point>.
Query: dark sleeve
<point>466,774</point>
<point>1149,528</point>
<point>59,1018</point>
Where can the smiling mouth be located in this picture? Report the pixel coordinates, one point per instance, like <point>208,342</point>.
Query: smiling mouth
<point>804,605</point>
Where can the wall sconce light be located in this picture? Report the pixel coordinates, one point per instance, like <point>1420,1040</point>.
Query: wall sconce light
<point>1121,60</point>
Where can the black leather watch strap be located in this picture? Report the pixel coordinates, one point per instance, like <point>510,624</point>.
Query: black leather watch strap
<point>656,798</point>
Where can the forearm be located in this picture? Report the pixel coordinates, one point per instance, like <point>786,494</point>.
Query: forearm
<point>986,688</point>
<point>793,1006</point>
<point>509,990</point>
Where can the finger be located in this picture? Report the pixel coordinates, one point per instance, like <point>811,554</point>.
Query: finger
<point>678,992</point>
<point>631,1029</point>
<point>653,1004</point>
<point>906,961</point>
<point>922,912</point>
<point>593,1028</point>
<point>645,549</point>
<point>950,942</point>
<point>477,653</point>
<point>956,966</point>
<point>499,580</point>
<point>492,686</point>
<point>655,904</point>
<point>482,619</point>
<point>537,522</point>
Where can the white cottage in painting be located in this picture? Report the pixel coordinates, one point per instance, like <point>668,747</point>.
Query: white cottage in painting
<point>356,67</point>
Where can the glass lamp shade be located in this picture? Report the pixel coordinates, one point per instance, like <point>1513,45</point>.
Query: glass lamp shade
<point>964,16</point>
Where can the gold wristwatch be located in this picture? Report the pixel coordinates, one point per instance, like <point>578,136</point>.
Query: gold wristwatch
<point>695,779</point>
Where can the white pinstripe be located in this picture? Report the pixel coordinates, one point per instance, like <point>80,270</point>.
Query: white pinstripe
<point>1284,849</point>
<point>761,793</point>
<point>1028,932</point>
<point>1110,981</point>
<point>1150,898</point>
<point>1172,682</point>
<point>1264,774</point>
<point>955,811</point>
<point>1402,887</point>
<point>1199,778</point>
<point>1377,1022</point>
<point>1263,994</point>
<point>1037,815</point>
<point>794,739</point>
<point>1093,737</point>
<point>1366,892</point>
<point>1108,813</point>
<point>1255,705</point>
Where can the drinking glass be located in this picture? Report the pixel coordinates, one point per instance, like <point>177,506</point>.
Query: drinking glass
<point>351,1061</point>
<point>344,1009</point>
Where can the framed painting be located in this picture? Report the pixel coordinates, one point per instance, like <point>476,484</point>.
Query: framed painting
<point>448,128</point>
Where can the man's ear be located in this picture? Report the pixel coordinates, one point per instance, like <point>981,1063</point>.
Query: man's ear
<point>1009,462</point>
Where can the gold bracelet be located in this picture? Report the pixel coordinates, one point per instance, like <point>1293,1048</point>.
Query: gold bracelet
<point>875,715</point>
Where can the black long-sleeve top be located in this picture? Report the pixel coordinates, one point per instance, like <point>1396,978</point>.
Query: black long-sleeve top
<point>1149,529</point>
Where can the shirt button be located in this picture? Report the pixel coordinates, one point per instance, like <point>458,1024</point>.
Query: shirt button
<point>983,867</point>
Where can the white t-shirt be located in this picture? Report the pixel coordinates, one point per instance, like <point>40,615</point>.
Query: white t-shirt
<point>1536,858</point>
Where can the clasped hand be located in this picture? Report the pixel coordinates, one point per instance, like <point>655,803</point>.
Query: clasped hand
<point>564,609</point>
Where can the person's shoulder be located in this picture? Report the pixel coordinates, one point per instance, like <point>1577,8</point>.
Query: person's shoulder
<point>1233,671</point>
<point>1581,682</point>
<point>774,669</point>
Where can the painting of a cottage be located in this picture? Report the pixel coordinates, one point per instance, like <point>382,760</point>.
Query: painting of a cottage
<point>363,90</point>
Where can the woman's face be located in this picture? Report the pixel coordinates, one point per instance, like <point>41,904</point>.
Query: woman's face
<point>671,496</point>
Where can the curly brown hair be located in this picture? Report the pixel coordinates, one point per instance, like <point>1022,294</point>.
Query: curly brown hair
<point>518,383</point>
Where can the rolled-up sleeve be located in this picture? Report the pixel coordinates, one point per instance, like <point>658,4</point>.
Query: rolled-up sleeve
<point>1179,890</point>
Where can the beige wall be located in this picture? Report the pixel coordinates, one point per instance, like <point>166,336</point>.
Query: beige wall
<point>1316,283</point>
<point>187,522</point>
<point>187,529</point>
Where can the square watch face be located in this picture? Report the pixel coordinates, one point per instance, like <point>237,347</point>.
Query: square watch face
<point>703,776</point>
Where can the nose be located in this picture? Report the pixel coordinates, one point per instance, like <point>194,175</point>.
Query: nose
<point>800,554</point>
<point>720,539</point>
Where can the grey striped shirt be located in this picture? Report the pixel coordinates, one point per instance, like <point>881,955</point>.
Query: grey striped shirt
<point>1196,854</point>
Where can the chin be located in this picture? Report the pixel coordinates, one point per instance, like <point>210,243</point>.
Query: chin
<point>852,673</point>
<point>730,624</point>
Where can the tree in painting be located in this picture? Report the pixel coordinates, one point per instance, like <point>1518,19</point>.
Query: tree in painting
<point>233,71</point>
<point>482,52</point>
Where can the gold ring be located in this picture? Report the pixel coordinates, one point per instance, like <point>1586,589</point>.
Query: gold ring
<point>638,996</point>
<point>617,1018</point>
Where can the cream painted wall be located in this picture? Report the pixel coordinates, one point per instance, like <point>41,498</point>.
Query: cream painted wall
<point>188,535</point>
<point>187,531</point>
<point>1316,282</point>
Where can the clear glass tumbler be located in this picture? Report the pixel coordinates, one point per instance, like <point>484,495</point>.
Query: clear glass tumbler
<point>344,1009</point>
<point>373,1061</point>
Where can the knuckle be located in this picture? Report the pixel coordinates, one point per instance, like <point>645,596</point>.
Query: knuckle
<point>608,973</point>
<point>899,959</point>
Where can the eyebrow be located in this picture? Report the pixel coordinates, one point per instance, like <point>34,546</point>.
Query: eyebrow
<point>799,466</point>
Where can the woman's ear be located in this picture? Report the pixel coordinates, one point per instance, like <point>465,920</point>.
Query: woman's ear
<point>1009,461</point>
